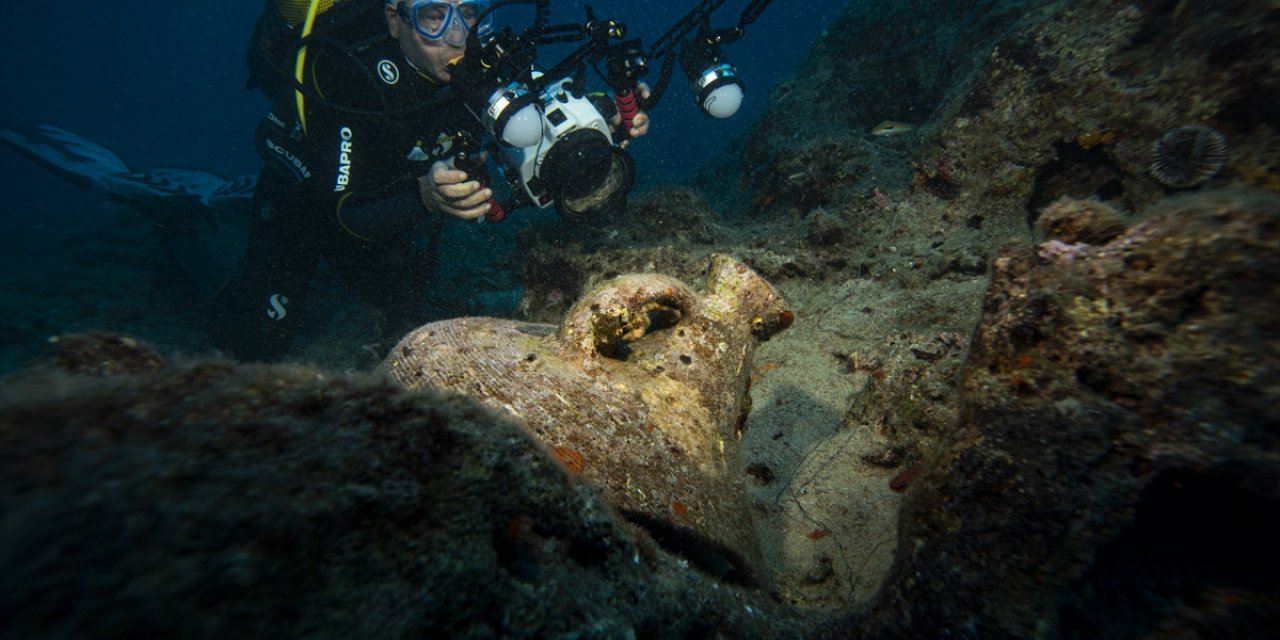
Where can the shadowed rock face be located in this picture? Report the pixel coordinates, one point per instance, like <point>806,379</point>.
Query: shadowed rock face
<point>641,390</point>
<point>1117,455</point>
<point>214,500</point>
<point>1112,473</point>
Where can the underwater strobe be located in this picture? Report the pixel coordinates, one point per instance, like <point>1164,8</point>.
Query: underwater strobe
<point>714,81</point>
<point>712,78</point>
<point>493,73</point>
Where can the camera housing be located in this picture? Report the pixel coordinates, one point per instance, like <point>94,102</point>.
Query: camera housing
<point>575,165</point>
<point>551,141</point>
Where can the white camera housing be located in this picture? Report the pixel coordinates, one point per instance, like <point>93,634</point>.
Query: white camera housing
<point>563,113</point>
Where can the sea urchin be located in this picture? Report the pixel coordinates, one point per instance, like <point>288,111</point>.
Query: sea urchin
<point>1188,156</point>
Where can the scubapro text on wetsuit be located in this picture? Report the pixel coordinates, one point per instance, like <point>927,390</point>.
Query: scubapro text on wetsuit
<point>344,160</point>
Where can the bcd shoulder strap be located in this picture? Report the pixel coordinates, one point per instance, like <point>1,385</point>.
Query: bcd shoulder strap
<point>273,54</point>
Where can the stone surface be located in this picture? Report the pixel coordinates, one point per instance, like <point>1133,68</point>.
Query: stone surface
<point>1117,455</point>
<point>1033,126</point>
<point>641,390</point>
<point>214,500</point>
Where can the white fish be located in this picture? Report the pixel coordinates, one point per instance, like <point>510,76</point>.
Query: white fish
<point>891,128</point>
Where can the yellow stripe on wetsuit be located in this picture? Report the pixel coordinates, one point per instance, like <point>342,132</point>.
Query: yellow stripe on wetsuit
<point>313,9</point>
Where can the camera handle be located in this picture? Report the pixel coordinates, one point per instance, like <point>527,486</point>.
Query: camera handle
<point>469,157</point>
<point>626,63</point>
<point>627,110</point>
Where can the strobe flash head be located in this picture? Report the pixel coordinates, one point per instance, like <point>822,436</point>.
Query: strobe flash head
<point>490,78</point>
<point>718,90</point>
<point>712,78</point>
<point>512,116</point>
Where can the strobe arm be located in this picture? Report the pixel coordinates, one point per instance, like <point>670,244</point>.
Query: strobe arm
<point>752,12</point>
<point>699,18</point>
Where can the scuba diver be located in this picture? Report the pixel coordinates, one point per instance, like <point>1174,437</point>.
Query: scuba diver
<point>359,149</point>
<point>374,139</point>
<point>358,166</point>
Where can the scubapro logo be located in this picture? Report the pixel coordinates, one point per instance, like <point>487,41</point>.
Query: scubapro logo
<point>344,160</point>
<point>388,71</point>
<point>277,310</point>
<point>294,163</point>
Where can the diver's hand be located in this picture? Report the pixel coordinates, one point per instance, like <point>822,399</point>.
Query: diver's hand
<point>639,124</point>
<point>453,192</point>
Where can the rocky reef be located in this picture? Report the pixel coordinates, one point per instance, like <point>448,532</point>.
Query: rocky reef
<point>1110,471</point>
<point>1029,390</point>
<point>210,499</point>
<point>1116,451</point>
<point>885,244</point>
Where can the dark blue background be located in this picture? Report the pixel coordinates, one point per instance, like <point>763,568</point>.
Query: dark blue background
<point>162,84</point>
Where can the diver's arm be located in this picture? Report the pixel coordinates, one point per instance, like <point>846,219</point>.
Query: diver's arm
<point>380,220</point>
<point>367,207</point>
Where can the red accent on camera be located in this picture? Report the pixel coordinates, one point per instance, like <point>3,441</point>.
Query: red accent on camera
<point>627,110</point>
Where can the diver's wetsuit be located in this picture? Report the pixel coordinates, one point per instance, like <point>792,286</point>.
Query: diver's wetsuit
<point>345,192</point>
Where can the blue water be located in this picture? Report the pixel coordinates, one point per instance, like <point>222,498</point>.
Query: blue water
<point>682,137</point>
<point>162,85</point>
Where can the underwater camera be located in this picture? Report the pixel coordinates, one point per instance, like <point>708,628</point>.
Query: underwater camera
<point>554,144</point>
<point>557,147</point>
<point>576,164</point>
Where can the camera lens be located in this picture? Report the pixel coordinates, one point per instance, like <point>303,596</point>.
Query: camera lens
<point>587,174</point>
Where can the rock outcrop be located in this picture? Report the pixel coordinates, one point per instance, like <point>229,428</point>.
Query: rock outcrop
<point>214,500</point>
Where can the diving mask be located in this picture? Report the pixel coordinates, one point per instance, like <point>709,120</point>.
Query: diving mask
<point>446,21</point>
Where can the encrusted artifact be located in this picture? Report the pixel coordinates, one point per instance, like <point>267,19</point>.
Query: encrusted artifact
<point>641,389</point>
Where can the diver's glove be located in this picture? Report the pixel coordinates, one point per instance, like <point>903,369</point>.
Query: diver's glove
<point>451,191</point>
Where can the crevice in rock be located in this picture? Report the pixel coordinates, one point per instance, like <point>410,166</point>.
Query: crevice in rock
<point>1199,555</point>
<point>1077,172</point>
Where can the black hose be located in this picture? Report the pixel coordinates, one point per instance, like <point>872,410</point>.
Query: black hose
<point>660,87</point>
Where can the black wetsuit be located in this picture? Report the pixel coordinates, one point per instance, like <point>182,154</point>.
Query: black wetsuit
<point>343,191</point>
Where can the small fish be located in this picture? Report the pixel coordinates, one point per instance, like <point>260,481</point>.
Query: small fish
<point>891,128</point>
